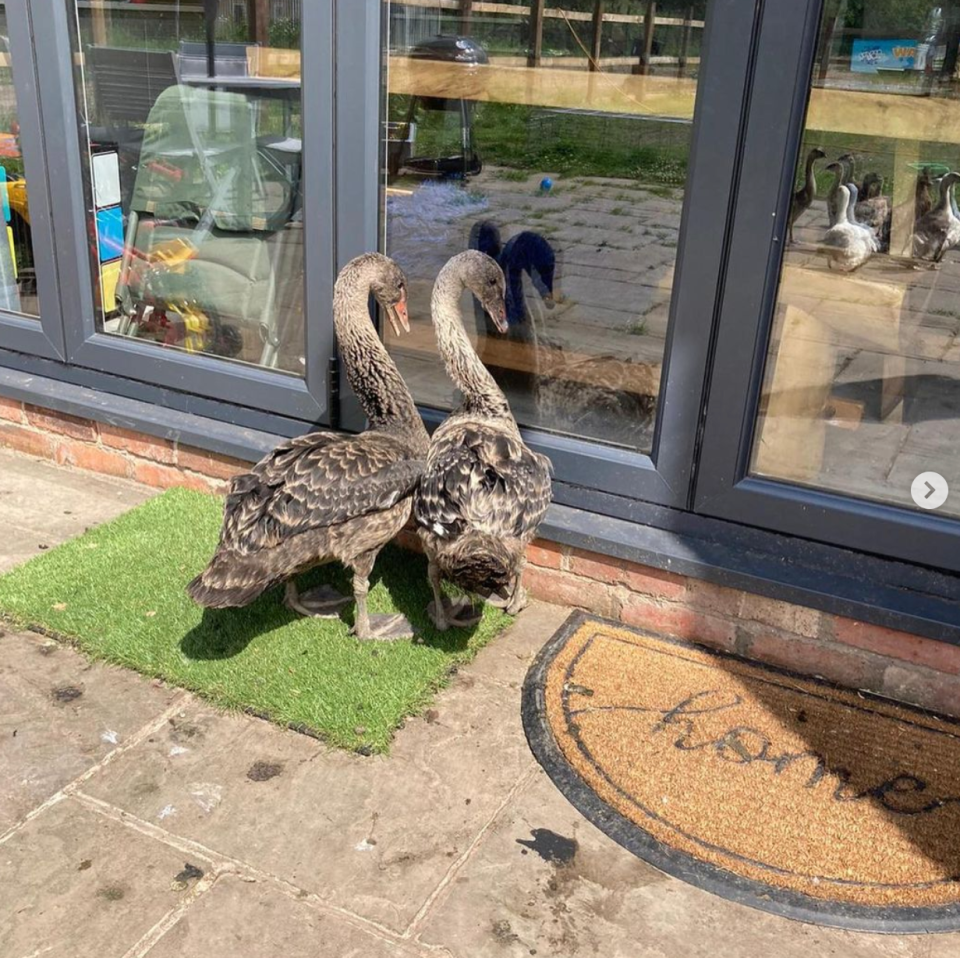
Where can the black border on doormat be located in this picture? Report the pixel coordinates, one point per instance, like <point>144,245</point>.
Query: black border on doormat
<point>712,878</point>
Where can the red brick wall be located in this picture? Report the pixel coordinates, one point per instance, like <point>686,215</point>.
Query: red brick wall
<point>112,451</point>
<point>896,664</point>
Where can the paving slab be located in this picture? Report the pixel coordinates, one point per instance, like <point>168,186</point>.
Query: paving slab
<point>258,919</point>
<point>77,884</point>
<point>60,715</point>
<point>42,505</point>
<point>547,882</point>
<point>372,835</point>
<point>510,655</point>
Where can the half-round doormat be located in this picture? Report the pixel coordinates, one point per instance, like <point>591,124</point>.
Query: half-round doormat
<point>768,788</point>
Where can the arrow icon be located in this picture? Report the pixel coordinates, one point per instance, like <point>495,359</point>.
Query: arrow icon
<point>929,490</point>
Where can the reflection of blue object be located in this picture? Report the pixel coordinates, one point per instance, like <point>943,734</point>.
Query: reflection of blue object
<point>110,233</point>
<point>546,184</point>
<point>3,195</point>
<point>528,253</point>
<point>868,56</point>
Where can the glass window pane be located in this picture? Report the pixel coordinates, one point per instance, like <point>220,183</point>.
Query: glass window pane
<point>560,146</point>
<point>18,284</point>
<point>862,385</point>
<point>192,119</point>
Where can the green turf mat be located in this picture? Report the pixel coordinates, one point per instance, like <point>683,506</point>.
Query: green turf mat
<point>118,593</point>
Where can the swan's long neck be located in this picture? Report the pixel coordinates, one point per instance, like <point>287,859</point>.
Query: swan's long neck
<point>481,394</point>
<point>371,371</point>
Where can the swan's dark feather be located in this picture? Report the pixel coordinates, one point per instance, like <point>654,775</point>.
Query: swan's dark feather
<point>481,477</point>
<point>289,511</point>
<point>316,481</point>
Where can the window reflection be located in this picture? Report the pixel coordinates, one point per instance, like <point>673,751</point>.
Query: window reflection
<point>558,145</point>
<point>861,387</point>
<point>18,285</point>
<point>192,116</point>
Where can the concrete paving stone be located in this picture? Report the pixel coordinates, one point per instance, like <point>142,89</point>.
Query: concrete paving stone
<point>517,896</point>
<point>372,835</point>
<point>257,920</point>
<point>78,884</point>
<point>55,504</point>
<point>508,658</point>
<point>59,715</point>
<point>19,545</point>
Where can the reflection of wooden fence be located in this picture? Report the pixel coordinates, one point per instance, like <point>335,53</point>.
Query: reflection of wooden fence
<point>538,12</point>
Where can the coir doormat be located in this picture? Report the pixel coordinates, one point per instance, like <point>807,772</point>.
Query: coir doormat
<point>768,788</point>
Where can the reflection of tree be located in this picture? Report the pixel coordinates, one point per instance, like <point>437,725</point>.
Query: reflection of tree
<point>888,18</point>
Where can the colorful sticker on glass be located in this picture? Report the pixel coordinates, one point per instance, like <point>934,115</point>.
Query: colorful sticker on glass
<point>871,56</point>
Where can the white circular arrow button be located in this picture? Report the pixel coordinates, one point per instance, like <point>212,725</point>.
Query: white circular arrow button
<point>929,490</point>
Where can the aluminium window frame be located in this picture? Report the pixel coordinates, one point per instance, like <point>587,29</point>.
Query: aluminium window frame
<point>43,335</point>
<point>306,398</point>
<point>725,488</point>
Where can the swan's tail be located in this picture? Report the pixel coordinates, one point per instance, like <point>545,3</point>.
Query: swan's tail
<point>227,582</point>
<point>481,563</point>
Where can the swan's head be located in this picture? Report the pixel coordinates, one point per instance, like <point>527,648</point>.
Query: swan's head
<point>390,291</point>
<point>484,278</point>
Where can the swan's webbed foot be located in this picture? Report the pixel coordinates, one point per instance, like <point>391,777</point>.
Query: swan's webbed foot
<point>386,628</point>
<point>518,602</point>
<point>459,613</point>
<point>323,602</point>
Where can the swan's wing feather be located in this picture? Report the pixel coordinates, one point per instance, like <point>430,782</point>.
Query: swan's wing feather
<point>485,478</point>
<point>313,482</point>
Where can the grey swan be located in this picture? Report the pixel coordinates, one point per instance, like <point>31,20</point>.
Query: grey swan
<point>939,230</point>
<point>805,195</point>
<point>327,496</point>
<point>483,492</point>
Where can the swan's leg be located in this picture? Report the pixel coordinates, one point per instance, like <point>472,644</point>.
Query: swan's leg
<point>323,602</point>
<point>436,610</point>
<point>460,613</point>
<point>384,628</point>
<point>519,599</point>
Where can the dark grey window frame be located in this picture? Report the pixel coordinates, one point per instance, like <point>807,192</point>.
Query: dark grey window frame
<point>664,477</point>
<point>725,489</point>
<point>250,386</point>
<point>43,336</point>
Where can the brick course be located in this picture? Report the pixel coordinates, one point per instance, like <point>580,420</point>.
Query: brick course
<point>902,666</point>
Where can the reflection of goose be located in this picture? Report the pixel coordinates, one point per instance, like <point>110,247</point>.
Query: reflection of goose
<point>923,195</point>
<point>483,492</point>
<point>328,497</point>
<point>804,196</point>
<point>839,172</point>
<point>873,208</point>
<point>852,216</point>
<point>848,244</point>
<point>938,230</point>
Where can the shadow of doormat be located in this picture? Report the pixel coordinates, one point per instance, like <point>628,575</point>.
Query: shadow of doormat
<point>117,593</point>
<point>774,790</point>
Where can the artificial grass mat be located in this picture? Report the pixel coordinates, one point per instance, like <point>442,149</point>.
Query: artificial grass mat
<point>117,592</point>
